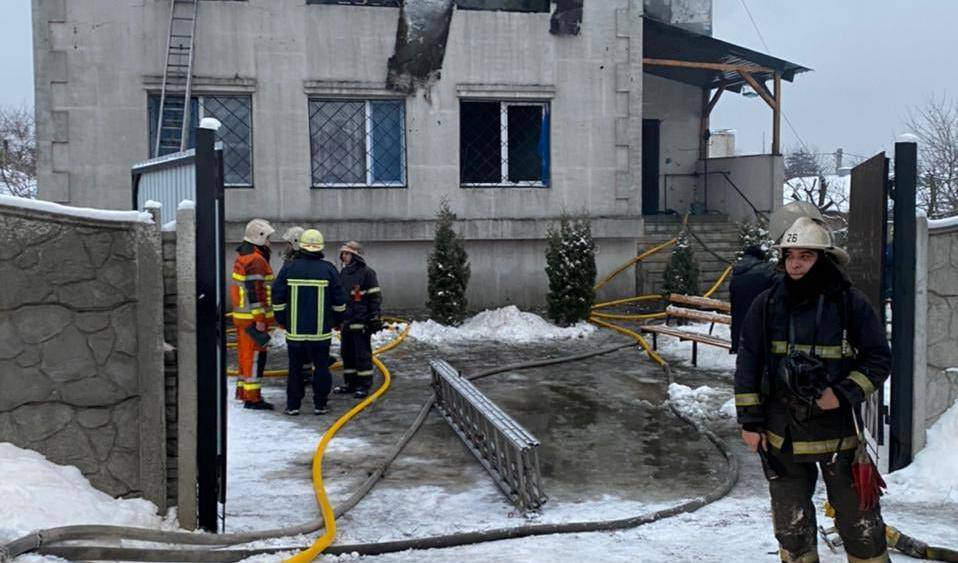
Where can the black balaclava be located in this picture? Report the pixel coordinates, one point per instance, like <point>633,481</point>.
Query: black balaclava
<point>816,280</point>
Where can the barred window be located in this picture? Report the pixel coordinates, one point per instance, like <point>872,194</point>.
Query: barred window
<point>504,143</point>
<point>236,134</point>
<point>357,143</point>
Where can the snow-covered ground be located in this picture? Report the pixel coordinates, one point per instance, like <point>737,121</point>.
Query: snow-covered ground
<point>709,357</point>
<point>269,487</point>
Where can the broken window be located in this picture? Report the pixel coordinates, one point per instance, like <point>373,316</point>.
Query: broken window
<point>504,143</point>
<point>357,143</point>
<point>236,116</point>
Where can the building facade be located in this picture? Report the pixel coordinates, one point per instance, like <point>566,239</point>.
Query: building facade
<point>522,119</point>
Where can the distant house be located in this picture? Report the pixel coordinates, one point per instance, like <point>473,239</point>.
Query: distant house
<point>359,116</point>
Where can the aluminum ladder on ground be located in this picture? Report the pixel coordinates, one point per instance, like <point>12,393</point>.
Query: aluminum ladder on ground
<point>504,448</point>
<point>173,117</point>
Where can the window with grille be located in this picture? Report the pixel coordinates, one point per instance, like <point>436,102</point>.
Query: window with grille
<point>357,143</point>
<point>235,113</point>
<point>504,143</point>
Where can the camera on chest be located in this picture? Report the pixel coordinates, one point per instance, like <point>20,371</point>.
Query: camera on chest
<point>804,375</point>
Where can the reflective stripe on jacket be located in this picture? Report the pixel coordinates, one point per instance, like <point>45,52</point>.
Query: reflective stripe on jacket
<point>363,295</point>
<point>250,289</point>
<point>856,364</point>
<point>308,298</point>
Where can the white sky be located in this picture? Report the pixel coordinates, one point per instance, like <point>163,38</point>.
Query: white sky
<point>871,59</point>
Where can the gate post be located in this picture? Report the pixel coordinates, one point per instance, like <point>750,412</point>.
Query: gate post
<point>210,330</point>
<point>903,306</point>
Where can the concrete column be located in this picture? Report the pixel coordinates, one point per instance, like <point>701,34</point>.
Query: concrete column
<point>186,365</point>
<point>149,320</point>
<point>919,406</point>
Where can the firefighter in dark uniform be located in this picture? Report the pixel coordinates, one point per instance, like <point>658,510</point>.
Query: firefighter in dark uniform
<point>361,321</point>
<point>812,349</point>
<point>751,275</point>
<point>308,301</point>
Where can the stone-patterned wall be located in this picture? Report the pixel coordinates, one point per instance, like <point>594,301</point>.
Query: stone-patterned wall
<point>942,378</point>
<point>80,345</point>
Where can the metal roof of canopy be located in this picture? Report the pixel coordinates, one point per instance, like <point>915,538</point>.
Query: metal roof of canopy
<point>699,60</point>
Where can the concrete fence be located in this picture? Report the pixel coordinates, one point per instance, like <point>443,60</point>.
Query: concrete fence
<point>936,386</point>
<point>81,343</point>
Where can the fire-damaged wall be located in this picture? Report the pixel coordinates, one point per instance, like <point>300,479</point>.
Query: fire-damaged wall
<point>325,140</point>
<point>420,44</point>
<point>81,367</point>
<point>693,15</point>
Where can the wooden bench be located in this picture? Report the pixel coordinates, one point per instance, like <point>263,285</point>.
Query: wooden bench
<point>709,316</point>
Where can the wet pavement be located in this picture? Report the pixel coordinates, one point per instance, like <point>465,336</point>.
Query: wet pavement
<point>604,431</point>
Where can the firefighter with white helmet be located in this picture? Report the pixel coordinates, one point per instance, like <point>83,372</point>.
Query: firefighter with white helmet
<point>291,236</point>
<point>252,310</point>
<point>812,349</point>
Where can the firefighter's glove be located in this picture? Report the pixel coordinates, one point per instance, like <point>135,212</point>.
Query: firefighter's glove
<point>374,325</point>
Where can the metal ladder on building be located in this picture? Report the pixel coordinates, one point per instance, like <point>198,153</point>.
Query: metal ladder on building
<point>173,117</point>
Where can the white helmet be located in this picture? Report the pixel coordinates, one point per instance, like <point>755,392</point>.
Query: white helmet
<point>292,235</point>
<point>258,231</point>
<point>805,232</point>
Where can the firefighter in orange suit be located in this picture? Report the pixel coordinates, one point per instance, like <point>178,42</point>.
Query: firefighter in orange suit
<point>252,310</point>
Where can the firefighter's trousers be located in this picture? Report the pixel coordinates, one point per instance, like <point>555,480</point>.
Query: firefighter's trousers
<point>300,354</point>
<point>357,358</point>
<point>247,350</point>
<point>793,514</point>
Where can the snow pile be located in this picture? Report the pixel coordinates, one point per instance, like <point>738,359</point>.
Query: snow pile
<point>507,324</point>
<point>931,477</point>
<point>702,403</point>
<point>709,357</point>
<point>391,331</point>
<point>39,494</point>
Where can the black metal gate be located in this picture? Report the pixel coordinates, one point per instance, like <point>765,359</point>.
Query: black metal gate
<point>210,332</point>
<point>867,242</point>
<point>871,196</point>
<point>197,174</point>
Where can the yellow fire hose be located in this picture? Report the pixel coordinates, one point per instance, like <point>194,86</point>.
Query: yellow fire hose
<point>632,261</point>
<point>329,518</point>
<point>601,319</point>
<point>322,499</point>
<point>283,372</point>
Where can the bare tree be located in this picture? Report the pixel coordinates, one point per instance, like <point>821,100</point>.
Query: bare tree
<point>803,163</point>
<point>18,152</point>
<point>828,196</point>
<point>935,123</point>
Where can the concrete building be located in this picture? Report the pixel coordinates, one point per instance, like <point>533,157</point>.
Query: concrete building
<point>360,116</point>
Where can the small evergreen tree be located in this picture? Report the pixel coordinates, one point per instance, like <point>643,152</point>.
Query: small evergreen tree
<point>448,271</point>
<point>681,273</point>
<point>570,265</point>
<point>756,234</point>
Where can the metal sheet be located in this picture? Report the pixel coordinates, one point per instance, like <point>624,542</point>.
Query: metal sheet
<point>867,238</point>
<point>867,232</point>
